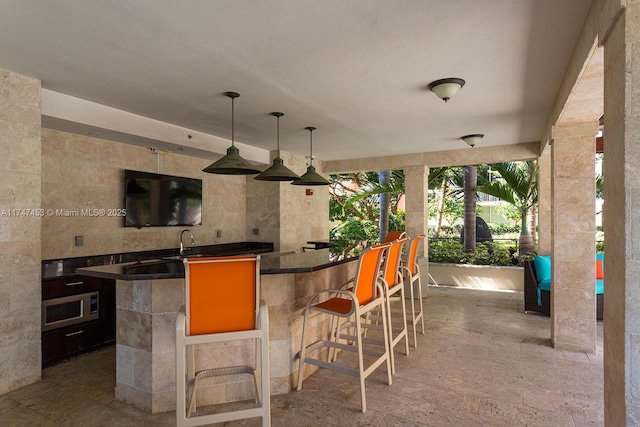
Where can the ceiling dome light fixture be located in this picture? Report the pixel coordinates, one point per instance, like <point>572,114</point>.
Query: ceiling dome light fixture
<point>311,177</point>
<point>277,171</point>
<point>232,163</point>
<point>445,89</point>
<point>472,139</point>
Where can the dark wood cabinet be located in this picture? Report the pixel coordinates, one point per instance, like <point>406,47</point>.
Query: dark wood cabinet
<point>67,341</point>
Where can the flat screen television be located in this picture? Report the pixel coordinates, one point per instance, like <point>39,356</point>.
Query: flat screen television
<point>153,200</point>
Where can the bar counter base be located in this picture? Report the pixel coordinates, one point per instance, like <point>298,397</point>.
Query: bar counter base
<point>146,313</point>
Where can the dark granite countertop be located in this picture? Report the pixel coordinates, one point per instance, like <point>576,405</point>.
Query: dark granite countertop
<point>56,268</point>
<point>270,263</point>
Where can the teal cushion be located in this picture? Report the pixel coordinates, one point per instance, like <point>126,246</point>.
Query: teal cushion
<point>545,285</point>
<point>542,264</point>
<point>599,286</point>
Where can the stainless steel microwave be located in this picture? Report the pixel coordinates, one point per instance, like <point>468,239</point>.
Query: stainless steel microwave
<point>70,310</point>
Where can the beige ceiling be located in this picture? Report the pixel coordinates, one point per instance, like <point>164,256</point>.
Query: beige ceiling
<point>357,70</point>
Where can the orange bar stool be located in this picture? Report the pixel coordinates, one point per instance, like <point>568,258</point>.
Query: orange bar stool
<point>412,280</point>
<point>393,285</point>
<point>222,304</point>
<point>367,295</point>
<point>394,235</point>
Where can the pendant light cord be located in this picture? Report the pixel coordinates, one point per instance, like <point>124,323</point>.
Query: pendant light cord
<point>232,124</point>
<point>278,135</point>
<point>311,147</point>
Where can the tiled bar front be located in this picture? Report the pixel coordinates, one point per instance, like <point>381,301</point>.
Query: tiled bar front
<point>145,351</point>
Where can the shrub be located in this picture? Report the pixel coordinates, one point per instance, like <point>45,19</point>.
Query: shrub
<point>487,253</point>
<point>446,251</point>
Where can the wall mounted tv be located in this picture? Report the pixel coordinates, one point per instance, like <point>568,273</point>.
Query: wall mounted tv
<point>153,200</point>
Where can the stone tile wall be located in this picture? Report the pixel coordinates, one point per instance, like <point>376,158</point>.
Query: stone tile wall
<point>283,213</point>
<point>20,355</point>
<point>84,172</point>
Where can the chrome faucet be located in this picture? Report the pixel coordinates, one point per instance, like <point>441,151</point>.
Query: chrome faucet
<point>193,240</point>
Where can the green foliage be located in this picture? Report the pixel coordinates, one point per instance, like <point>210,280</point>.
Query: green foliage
<point>396,221</point>
<point>451,251</point>
<point>352,236</point>
<point>488,253</point>
<point>600,247</point>
<point>446,251</point>
<point>354,205</point>
<point>509,212</point>
<point>500,229</point>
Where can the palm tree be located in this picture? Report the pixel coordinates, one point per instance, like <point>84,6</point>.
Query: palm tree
<point>470,182</point>
<point>517,185</point>
<point>384,178</point>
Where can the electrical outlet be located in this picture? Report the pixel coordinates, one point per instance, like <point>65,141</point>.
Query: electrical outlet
<point>79,240</point>
<point>256,231</point>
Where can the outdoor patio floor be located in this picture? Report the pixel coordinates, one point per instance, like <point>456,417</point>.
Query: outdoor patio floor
<point>482,361</point>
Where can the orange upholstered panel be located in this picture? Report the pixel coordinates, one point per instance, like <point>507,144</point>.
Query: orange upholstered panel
<point>392,262</point>
<point>392,235</point>
<point>337,305</point>
<point>368,273</point>
<point>599,269</point>
<point>222,295</point>
<point>413,253</point>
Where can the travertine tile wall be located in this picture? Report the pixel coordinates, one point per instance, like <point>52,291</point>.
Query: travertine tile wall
<point>573,305</point>
<point>544,202</point>
<point>284,213</point>
<point>84,172</point>
<point>20,294</point>
<point>621,218</point>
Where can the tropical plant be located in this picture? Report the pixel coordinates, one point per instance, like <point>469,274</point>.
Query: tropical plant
<point>516,184</point>
<point>355,207</point>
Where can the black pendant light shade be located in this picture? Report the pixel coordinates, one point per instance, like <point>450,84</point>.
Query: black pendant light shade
<point>232,163</point>
<point>277,171</point>
<point>311,177</point>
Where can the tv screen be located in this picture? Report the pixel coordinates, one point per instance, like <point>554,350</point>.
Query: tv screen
<point>153,200</point>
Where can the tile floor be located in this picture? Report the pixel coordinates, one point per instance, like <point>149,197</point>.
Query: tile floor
<point>481,362</point>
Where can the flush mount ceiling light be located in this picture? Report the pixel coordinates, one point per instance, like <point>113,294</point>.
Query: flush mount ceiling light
<point>311,177</point>
<point>445,89</point>
<point>232,163</point>
<point>277,171</point>
<point>472,139</point>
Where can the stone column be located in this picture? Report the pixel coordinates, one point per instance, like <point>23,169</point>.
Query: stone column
<point>417,214</point>
<point>20,256</point>
<point>287,215</point>
<point>573,299</point>
<point>622,219</point>
<point>544,202</point>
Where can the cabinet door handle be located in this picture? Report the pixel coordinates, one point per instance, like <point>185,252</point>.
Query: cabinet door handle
<point>70,334</point>
<point>74,283</point>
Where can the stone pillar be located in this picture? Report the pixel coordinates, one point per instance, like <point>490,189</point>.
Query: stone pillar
<point>622,219</point>
<point>417,214</point>
<point>416,205</point>
<point>287,215</point>
<point>544,202</point>
<point>573,299</point>
<point>20,284</point>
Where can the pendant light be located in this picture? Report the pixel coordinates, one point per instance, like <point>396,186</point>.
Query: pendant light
<point>311,177</point>
<point>232,163</point>
<point>277,171</point>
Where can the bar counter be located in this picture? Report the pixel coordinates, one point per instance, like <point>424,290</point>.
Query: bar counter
<point>149,295</point>
<point>172,267</point>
